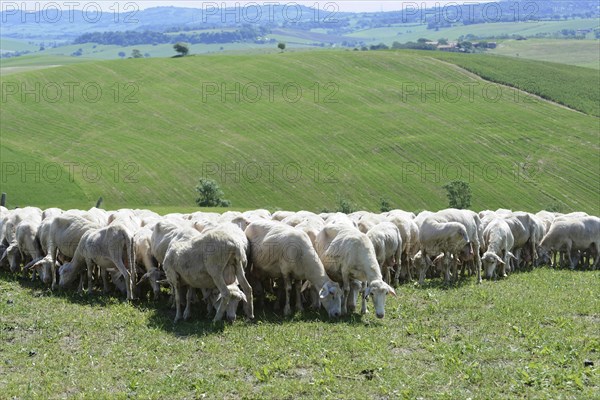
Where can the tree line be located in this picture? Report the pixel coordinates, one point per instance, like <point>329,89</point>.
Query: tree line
<point>132,38</point>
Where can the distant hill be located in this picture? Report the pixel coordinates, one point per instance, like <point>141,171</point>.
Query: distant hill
<point>297,131</point>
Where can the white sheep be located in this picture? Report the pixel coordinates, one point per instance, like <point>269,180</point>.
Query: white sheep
<point>387,243</point>
<point>572,234</point>
<point>348,255</point>
<point>498,242</point>
<point>281,251</point>
<point>211,259</point>
<point>106,247</point>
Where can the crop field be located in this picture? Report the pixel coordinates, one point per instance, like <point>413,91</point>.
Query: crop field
<point>410,32</point>
<point>566,85</point>
<point>582,53</point>
<point>339,121</point>
<point>531,335</point>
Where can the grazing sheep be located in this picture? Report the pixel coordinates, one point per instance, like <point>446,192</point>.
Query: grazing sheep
<point>387,243</point>
<point>409,233</point>
<point>166,231</point>
<point>106,247</point>
<point>64,234</point>
<point>208,260</point>
<point>439,236</point>
<point>348,255</point>
<point>572,234</point>
<point>498,242</point>
<point>527,231</point>
<point>280,251</point>
<point>142,240</point>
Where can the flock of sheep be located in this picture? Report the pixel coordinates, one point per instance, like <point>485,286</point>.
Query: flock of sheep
<point>299,258</point>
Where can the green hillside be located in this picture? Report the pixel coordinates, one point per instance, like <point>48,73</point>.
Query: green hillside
<point>366,125</point>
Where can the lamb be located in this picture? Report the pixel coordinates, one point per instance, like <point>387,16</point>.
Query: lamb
<point>348,255</point>
<point>387,243</point>
<point>281,251</point>
<point>208,260</point>
<point>105,247</point>
<point>64,235</point>
<point>573,234</point>
<point>498,241</point>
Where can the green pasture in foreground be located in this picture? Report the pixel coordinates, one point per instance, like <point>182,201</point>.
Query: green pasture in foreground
<point>530,335</point>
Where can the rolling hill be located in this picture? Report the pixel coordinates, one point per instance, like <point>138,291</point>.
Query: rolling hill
<point>293,130</point>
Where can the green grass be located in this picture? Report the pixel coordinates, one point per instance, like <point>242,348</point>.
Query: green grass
<point>526,336</point>
<point>582,53</point>
<point>367,140</point>
<point>574,87</point>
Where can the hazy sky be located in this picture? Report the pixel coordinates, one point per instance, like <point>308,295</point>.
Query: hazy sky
<point>353,6</point>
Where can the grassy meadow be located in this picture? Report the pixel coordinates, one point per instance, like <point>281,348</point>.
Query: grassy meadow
<point>531,335</point>
<point>297,130</point>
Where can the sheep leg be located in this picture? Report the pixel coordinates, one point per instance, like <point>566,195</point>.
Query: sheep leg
<point>346,295</point>
<point>104,275</point>
<point>53,251</point>
<point>423,270</point>
<point>90,273</point>
<point>287,284</point>
<point>594,252</point>
<point>177,290</point>
<point>247,289</point>
<point>363,304</point>
<point>188,304</point>
<point>126,275</point>
<point>223,290</point>
<point>81,282</point>
<point>298,289</point>
<point>572,261</point>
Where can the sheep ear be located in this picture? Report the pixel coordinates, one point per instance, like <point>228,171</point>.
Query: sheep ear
<point>391,291</point>
<point>367,291</point>
<point>499,259</point>
<point>4,255</point>
<point>143,278</point>
<point>511,255</point>
<point>305,286</point>
<point>439,257</point>
<point>34,261</point>
<point>323,293</point>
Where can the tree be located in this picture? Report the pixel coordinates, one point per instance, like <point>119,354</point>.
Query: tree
<point>182,48</point>
<point>459,194</point>
<point>443,41</point>
<point>135,53</point>
<point>210,194</point>
<point>384,205</point>
<point>122,54</point>
<point>281,46</point>
<point>344,206</point>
